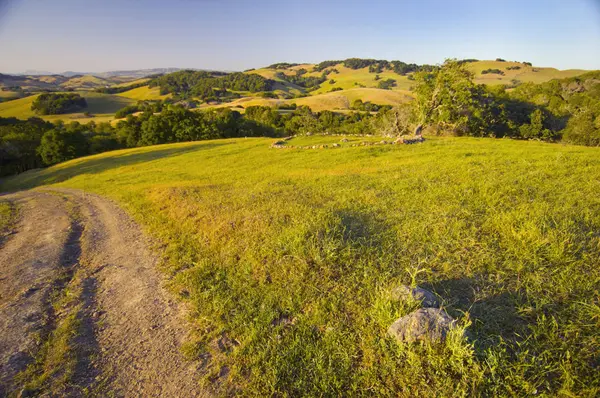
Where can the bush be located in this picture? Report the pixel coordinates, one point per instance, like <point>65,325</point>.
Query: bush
<point>325,64</point>
<point>500,60</point>
<point>281,65</point>
<point>516,67</point>
<point>584,128</point>
<point>387,84</point>
<point>58,103</point>
<point>494,71</point>
<point>128,110</point>
<point>535,129</point>
<point>268,94</point>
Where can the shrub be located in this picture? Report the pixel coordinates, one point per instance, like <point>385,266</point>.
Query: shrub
<point>387,84</point>
<point>128,110</point>
<point>494,71</point>
<point>584,128</point>
<point>268,94</point>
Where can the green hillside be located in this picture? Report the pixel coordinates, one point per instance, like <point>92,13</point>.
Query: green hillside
<point>287,259</point>
<point>144,93</point>
<point>102,106</point>
<point>345,78</point>
<point>341,87</point>
<point>338,100</point>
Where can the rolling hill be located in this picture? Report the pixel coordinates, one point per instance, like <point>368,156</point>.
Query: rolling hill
<point>101,106</point>
<point>362,84</point>
<point>288,260</point>
<point>144,93</point>
<point>342,86</point>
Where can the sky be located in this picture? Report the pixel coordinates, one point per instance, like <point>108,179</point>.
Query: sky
<point>104,35</point>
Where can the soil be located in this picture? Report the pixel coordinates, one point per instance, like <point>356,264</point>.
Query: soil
<point>131,329</point>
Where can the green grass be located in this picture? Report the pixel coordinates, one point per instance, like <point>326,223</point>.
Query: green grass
<point>143,93</point>
<point>7,216</point>
<point>9,95</point>
<point>329,139</point>
<point>339,100</point>
<point>288,257</point>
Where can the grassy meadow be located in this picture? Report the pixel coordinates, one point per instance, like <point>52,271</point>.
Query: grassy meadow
<point>287,259</point>
<point>144,93</point>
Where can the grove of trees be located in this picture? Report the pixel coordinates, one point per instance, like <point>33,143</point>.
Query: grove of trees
<point>209,86</point>
<point>58,103</point>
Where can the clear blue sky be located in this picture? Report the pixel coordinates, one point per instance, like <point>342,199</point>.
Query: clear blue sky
<point>102,35</point>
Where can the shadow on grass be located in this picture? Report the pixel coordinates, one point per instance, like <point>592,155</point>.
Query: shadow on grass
<point>61,172</point>
<point>493,317</point>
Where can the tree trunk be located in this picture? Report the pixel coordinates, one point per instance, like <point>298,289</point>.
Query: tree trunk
<point>419,129</point>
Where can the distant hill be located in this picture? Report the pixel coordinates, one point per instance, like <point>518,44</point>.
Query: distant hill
<point>329,85</point>
<point>138,73</point>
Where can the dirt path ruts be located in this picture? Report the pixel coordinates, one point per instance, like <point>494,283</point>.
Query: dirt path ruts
<point>131,329</point>
<point>29,265</point>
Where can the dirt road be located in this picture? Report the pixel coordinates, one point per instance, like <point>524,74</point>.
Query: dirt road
<point>77,262</point>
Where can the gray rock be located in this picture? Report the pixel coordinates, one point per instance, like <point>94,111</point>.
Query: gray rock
<point>427,298</point>
<point>431,324</point>
<point>344,139</point>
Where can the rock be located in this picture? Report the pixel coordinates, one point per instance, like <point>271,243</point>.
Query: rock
<point>278,144</point>
<point>336,145</point>
<point>409,139</point>
<point>427,298</point>
<point>431,324</point>
<point>344,139</point>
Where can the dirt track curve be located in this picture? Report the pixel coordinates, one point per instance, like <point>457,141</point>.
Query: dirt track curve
<point>129,330</point>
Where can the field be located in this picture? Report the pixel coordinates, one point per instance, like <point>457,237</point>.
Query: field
<point>339,100</point>
<point>287,258</point>
<point>144,93</point>
<point>525,74</point>
<point>8,95</point>
<point>101,106</point>
<point>360,84</point>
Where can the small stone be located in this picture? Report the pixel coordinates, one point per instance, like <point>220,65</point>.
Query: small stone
<point>427,298</point>
<point>431,324</point>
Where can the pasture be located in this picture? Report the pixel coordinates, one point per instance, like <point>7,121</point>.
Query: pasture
<point>287,258</point>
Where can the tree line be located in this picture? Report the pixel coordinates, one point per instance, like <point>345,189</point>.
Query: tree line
<point>447,101</point>
<point>375,65</point>
<point>209,86</point>
<point>33,143</point>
